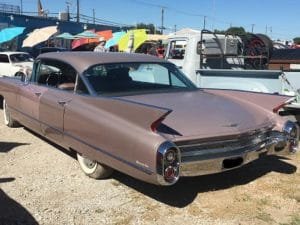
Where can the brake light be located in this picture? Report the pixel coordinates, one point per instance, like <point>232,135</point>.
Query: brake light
<point>171,173</point>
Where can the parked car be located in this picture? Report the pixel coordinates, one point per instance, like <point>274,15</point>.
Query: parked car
<point>12,63</point>
<point>37,50</point>
<point>140,115</point>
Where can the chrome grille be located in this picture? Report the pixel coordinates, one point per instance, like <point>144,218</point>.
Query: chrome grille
<point>209,149</point>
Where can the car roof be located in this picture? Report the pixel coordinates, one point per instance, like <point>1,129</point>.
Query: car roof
<point>11,53</point>
<point>81,61</point>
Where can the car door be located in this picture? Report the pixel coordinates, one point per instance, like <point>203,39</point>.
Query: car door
<point>60,80</point>
<point>4,65</point>
<point>29,99</point>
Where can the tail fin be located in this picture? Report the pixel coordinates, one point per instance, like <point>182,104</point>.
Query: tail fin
<point>269,102</point>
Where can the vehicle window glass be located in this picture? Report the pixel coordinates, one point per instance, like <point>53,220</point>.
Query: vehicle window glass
<point>4,58</point>
<point>128,78</point>
<point>155,73</point>
<point>81,87</point>
<point>177,49</point>
<point>16,58</point>
<point>56,74</point>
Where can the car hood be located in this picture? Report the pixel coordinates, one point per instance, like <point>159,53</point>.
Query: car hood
<point>199,114</point>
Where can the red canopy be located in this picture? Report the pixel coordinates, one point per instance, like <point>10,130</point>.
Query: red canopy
<point>104,36</point>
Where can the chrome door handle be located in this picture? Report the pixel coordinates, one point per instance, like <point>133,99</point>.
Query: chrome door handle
<point>63,102</point>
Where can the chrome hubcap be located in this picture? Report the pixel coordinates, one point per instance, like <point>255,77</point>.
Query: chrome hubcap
<point>89,163</point>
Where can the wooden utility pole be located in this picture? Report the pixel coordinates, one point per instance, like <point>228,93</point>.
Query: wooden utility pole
<point>21,8</point>
<point>78,14</point>
<point>204,22</point>
<point>68,9</point>
<point>94,16</point>
<point>162,21</point>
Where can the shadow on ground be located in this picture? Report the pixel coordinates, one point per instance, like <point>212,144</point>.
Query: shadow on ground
<point>8,146</point>
<point>11,212</point>
<point>7,179</point>
<point>60,148</point>
<point>186,190</point>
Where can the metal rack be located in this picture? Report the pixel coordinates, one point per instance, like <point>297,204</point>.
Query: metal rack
<point>248,55</point>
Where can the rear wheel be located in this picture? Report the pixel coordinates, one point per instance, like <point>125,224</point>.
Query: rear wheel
<point>19,74</point>
<point>8,120</point>
<point>92,168</point>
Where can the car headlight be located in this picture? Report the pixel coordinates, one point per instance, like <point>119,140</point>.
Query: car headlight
<point>291,130</point>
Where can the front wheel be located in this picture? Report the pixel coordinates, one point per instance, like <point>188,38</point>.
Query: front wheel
<point>8,120</point>
<point>92,168</point>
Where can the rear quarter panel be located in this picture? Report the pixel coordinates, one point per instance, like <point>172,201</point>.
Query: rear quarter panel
<point>93,128</point>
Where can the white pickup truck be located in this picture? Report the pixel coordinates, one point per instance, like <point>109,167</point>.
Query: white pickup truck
<point>222,61</point>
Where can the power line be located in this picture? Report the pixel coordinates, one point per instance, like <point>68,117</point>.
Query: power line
<point>148,4</point>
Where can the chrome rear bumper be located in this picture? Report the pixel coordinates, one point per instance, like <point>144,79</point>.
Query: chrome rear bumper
<point>201,161</point>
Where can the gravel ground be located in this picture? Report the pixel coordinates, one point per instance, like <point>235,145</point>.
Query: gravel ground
<point>42,184</point>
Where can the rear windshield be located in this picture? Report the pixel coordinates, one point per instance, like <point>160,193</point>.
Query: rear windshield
<point>136,78</point>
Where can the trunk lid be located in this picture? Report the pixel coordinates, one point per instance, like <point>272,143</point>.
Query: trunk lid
<point>199,114</point>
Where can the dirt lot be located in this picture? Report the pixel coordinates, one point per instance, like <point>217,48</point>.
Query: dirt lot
<point>41,184</point>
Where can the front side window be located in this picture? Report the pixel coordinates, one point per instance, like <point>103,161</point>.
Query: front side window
<point>4,58</point>
<point>130,78</point>
<point>56,74</point>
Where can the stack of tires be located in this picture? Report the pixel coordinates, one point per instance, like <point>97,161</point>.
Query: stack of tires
<point>257,49</point>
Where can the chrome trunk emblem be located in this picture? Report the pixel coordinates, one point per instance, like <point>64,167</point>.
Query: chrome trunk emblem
<point>231,125</point>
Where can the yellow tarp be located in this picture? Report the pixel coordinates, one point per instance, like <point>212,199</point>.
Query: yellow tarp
<point>156,37</point>
<point>132,40</point>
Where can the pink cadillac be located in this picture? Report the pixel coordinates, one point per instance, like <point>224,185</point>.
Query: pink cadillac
<point>140,115</point>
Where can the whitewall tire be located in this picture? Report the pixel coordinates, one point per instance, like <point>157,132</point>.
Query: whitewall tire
<point>8,120</point>
<point>92,168</point>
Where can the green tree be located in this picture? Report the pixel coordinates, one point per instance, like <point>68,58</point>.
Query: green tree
<point>149,27</point>
<point>296,40</point>
<point>236,31</point>
<point>219,31</point>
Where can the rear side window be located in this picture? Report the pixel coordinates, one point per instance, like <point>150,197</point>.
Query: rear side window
<point>4,58</point>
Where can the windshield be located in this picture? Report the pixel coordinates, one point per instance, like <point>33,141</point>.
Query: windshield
<point>16,58</point>
<point>136,78</point>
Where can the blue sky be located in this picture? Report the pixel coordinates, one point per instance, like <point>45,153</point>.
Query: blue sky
<point>276,17</point>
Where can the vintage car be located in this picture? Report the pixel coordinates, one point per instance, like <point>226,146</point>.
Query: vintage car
<point>14,63</point>
<point>140,115</point>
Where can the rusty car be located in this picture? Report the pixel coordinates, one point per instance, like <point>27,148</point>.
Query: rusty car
<point>141,115</point>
